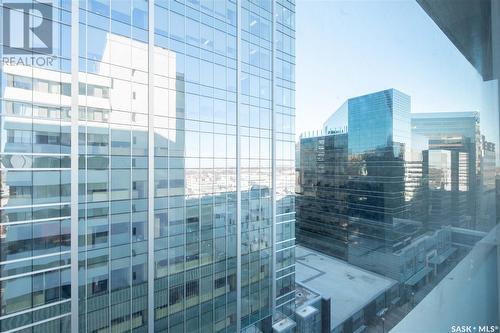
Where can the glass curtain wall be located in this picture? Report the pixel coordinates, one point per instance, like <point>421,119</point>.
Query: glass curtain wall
<point>185,113</point>
<point>35,183</point>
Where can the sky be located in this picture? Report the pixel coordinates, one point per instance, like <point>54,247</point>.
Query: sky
<point>350,48</point>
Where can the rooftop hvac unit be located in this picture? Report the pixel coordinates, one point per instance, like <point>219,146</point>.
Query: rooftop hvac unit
<point>308,319</point>
<point>285,325</point>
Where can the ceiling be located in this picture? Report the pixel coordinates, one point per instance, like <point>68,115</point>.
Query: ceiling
<point>467,23</point>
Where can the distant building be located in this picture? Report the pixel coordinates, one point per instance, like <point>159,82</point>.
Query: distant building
<point>456,132</point>
<point>486,191</point>
<point>459,169</point>
<point>446,173</point>
<point>361,182</point>
<point>378,196</point>
<point>322,212</point>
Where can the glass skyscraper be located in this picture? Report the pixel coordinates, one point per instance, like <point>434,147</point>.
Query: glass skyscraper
<point>459,133</point>
<point>379,187</point>
<point>147,170</point>
<point>361,183</point>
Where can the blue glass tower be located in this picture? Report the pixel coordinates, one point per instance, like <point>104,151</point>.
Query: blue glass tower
<point>361,183</point>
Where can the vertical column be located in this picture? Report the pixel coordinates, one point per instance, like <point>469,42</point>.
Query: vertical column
<point>273,157</point>
<point>238,168</point>
<point>74,164</point>
<point>151,148</point>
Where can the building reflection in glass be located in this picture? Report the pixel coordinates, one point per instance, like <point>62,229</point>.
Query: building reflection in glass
<point>380,187</point>
<point>471,166</point>
<point>356,196</point>
<point>222,159</point>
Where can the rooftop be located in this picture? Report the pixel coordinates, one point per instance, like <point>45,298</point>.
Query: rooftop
<point>306,311</point>
<point>284,325</point>
<point>304,296</point>
<point>349,287</point>
<point>440,115</point>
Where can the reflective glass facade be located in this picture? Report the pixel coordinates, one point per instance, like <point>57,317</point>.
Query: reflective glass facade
<point>447,175</point>
<point>382,186</point>
<point>35,178</point>
<point>459,133</point>
<point>361,185</point>
<point>175,119</point>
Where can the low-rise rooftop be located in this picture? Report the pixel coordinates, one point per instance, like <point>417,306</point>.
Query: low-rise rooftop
<point>350,288</point>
